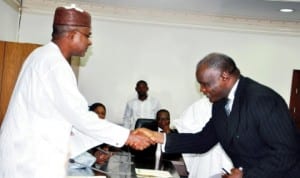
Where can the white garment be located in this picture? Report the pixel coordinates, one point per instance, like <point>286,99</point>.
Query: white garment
<point>45,105</point>
<point>209,164</point>
<point>136,109</point>
<point>79,143</point>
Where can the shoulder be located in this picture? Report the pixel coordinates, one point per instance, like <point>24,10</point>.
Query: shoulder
<point>260,100</point>
<point>152,99</point>
<point>47,58</point>
<point>253,90</point>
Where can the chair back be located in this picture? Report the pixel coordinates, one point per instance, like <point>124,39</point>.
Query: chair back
<point>146,123</point>
<point>146,158</point>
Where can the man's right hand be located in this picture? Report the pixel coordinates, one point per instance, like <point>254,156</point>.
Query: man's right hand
<point>155,137</point>
<point>138,140</point>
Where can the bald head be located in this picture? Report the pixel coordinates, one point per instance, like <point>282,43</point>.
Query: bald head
<point>220,62</point>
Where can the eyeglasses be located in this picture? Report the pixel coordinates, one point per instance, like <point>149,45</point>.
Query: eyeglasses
<point>84,34</point>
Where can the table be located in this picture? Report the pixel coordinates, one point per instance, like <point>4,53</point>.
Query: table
<point>120,165</point>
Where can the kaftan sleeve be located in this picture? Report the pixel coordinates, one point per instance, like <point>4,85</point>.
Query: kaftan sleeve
<point>70,103</point>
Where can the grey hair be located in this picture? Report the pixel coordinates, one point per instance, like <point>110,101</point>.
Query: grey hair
<point>221,62</point>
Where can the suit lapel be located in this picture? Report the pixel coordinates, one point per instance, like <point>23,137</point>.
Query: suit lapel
<point>221,121</point>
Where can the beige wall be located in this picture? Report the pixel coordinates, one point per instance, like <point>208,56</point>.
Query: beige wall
<point>9,22</point>
<point>165,55</point>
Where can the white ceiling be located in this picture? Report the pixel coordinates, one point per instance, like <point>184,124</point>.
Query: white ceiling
<point>252,9</point>
<point>238,8</point>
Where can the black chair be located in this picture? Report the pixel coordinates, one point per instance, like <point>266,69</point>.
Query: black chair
<point>146,158</point>
<point>146,123</point>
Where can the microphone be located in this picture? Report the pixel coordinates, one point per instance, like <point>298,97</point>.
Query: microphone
<point>97,170</point>
<point>110,154</point>
<point>103,151</point>
<point>122,153</point>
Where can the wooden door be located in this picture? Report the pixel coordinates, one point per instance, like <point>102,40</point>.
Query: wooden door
<point>2,45</point>
<point>295,97</point>
<point>12,59</point>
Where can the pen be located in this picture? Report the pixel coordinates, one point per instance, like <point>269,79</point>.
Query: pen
<point>225,171</point>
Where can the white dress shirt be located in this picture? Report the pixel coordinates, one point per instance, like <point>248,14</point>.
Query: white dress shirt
<point>136,109</point>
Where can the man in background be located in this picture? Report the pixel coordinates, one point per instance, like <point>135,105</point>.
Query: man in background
<point>163,120</point>
<point>46,105</point>
<point>143,106</point>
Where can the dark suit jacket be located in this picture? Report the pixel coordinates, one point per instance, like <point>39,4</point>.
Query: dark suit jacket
<point>259,134</point>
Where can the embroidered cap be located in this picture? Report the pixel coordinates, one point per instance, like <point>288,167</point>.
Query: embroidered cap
<point>71,16</point>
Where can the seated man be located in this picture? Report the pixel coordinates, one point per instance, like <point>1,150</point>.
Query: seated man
<point>163,123</point>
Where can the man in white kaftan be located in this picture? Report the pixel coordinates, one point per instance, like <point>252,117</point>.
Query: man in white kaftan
<point>46,104</point>
<point>209,164</point>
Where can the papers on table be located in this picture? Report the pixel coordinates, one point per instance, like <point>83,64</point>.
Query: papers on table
<point>86,177</point>
<point>144,173</point>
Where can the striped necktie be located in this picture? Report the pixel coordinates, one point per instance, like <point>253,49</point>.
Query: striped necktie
<point>228,107</point>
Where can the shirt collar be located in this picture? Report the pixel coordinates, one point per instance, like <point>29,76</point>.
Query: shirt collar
<point>232,91</point>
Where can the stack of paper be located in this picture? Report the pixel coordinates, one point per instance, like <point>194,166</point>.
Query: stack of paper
<point>86,177</point>
<point>144,173</point>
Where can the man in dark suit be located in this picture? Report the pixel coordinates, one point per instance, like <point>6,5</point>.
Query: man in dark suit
<point>251,121</point>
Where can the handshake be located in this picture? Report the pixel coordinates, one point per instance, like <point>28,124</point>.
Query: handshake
<point>142,138</point>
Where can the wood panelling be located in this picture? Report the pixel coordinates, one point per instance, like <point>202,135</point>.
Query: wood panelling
<point>2,45</point>
<point>12,58</point>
